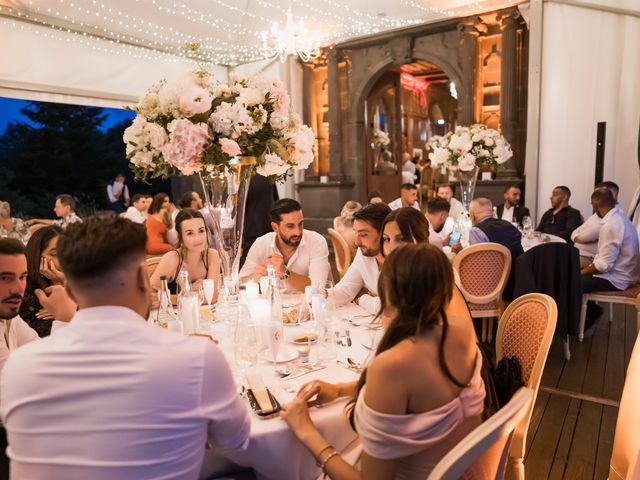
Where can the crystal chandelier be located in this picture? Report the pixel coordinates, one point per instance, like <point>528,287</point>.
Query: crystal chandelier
<point>292,39</point>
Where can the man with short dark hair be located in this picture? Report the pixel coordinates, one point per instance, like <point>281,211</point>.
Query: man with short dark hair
<point>511,210</point>
<point>64,209</point>
<point>300,257</point>
<point>111,396</point>
<point>360,282</point>
<point>585,237</point>
<point>561,219</point>
<point>445,191</point>
<point>137,212</point>
<point>408,197</point>
<point>440,224</point>
<point>192,200</point>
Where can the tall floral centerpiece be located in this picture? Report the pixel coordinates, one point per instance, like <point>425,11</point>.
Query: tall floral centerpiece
<point>379,144</point>
<point>224,133</point>
<point>466,150</point>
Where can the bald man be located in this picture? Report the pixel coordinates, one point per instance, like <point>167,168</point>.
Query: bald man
<point>488,229</point>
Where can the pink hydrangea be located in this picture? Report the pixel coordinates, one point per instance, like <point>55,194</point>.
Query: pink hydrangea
<point>186,145</point>
<point>230,147</point>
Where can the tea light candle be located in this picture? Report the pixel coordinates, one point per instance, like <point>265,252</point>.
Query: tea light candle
<point>303,354</point>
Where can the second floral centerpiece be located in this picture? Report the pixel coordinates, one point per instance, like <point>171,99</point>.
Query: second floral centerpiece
<point>225,133</point>
<point>467,150</point>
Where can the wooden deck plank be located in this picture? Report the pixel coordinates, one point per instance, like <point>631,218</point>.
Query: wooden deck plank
<point>564,444</point>
<point>597,360</point>
<point>630,332</point>
<point>605,443</point>
<point>555,364</point>
<point>536,419</point>
<point>615,368</point>
<point>543,447</point>
<point>584,447</point>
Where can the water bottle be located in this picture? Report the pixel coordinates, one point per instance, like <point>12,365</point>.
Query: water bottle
<point>165,309</point>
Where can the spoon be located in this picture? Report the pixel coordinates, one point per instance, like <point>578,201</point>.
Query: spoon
<point>354,364</point>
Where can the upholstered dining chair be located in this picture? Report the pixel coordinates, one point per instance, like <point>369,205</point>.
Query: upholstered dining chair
<point>152,264</point>
<point>626,441</point>
<point>525,332</point>
<point>482,454</point>
<point>481,273</point>
<point>341,250</point>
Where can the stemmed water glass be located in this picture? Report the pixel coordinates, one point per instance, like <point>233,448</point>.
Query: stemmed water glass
<point>208,289</point>
<point>527,226</point>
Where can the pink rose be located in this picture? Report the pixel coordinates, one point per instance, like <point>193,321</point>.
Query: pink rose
<point>230,147</point>
<point>195,100</point>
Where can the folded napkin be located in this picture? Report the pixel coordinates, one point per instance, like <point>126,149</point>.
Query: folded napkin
<point>260,392</point>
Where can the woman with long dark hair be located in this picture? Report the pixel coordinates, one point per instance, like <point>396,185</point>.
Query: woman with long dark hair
<point>43,270</point>
<point>158,225</point>
<point>403,226</point>
<point>422,392</point>
<point>192,254</point>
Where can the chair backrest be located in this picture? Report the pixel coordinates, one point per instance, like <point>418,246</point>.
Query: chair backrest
<point>626,442</point>
<point>482,271</point>
<point>525,331</point>
<point>482,454</point>
<point>341,250</point>
<point>152,264</point>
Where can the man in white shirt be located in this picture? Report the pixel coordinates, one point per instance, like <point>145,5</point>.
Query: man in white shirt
<point>615,265</point>
<point>408,197</point>
<point>300,257</point>
<point>13,330</point>
<point>445,191</point>
<point>64,209</point>
<point>585,237</point>
<point>360,282</point>
<point>137,212</point>
<point>111,396</point>
<point>440,224</point>
<point>118,194</point>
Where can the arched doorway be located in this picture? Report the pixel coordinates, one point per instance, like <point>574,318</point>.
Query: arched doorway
<point>407,104</point>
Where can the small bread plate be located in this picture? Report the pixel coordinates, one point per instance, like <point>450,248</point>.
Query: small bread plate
<point>304,338</point>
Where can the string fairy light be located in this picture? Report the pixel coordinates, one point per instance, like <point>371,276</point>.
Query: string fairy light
<point>228,34</point>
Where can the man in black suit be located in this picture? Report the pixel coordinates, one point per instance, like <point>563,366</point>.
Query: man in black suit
<point>511,210</point>
<point>561,219</point>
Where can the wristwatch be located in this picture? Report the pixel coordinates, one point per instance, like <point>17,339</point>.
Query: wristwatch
<point>285,274</point>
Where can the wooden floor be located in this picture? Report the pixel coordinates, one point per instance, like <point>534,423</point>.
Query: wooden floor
<point>573,423</point>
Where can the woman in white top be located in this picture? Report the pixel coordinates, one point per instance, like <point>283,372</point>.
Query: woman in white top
<point>422,392</point>
<point>192,254</point>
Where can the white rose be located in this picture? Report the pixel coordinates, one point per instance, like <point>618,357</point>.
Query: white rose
<point>466,162</point>
<point>273,165</point>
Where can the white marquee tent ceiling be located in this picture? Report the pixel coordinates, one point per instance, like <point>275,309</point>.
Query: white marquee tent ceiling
<point>228,30</point>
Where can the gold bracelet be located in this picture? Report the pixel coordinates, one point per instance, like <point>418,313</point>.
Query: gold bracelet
<point>320,453</point>
<point>329,457</point>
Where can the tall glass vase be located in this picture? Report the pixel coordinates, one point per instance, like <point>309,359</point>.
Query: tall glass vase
<point>468,179</point>
<point>225,192</point>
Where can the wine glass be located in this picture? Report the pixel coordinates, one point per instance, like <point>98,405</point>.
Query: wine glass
<point>527,225</point>
<point>208,288</point>
<point>246,344</point>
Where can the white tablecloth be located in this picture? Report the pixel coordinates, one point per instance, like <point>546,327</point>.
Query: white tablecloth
<point>273,450</point>
<point>538,238</point>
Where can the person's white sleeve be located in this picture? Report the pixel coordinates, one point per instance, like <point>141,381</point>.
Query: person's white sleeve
<point>319,263</point>
<point>126,194</point>
<point>172,237</point>
<point>611,236</point>
<point>589,231</point>
<point>350,285</point>
<point>370,303</point>
<point>229,421</point>
<point>251,261</point>
<point>24,333</point>
<point>477,236</point>
<point>112,197</point>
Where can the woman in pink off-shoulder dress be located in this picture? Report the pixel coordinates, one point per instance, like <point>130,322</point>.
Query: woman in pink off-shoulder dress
<point>422,392</point>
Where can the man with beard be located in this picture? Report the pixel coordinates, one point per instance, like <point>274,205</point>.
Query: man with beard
<point>111,396</point>
<point>300,257</point>
<point>360,282</point>
<point>14,331</point>
<point>511,210</point>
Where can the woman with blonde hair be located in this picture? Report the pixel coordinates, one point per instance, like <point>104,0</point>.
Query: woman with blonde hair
<point>344,224</point>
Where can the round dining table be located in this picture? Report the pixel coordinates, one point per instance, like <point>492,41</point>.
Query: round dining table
<point>273,451</point>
